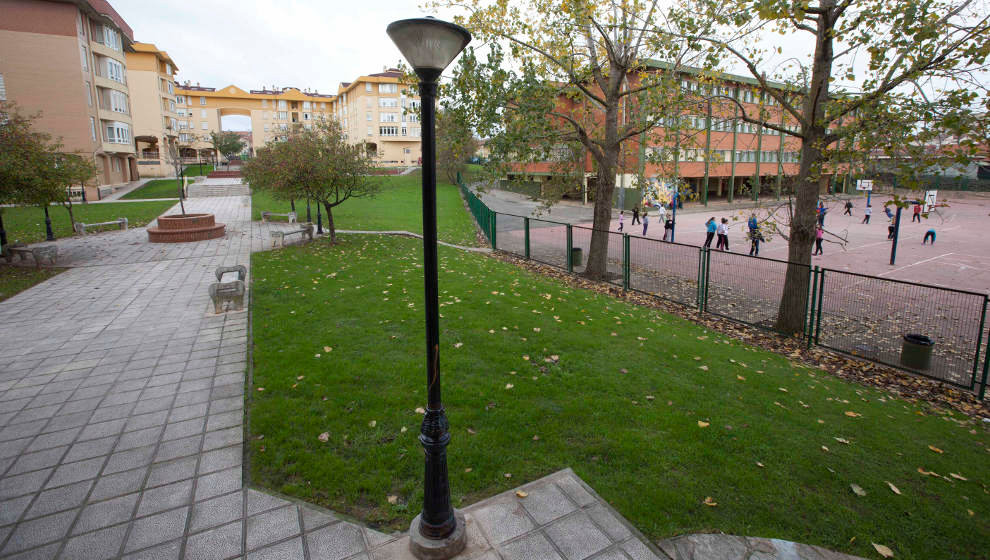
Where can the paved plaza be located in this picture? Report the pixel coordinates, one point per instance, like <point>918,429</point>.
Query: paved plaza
<point>122,430</point>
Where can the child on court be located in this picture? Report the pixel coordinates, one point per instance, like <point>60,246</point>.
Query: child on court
<point>622,216</point>
<point>867,213</point>
<point>929,234</point>
<point>710,228</point>
<point>723,235</point>
<point>819,235</point>
<point>646,221</point>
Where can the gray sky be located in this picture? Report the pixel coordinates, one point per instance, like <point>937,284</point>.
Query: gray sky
<point>254,43</point>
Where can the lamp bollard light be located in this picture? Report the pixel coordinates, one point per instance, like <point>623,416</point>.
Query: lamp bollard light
<point>429,45</point>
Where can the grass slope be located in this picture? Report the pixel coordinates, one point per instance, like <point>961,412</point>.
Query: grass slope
<point>16,279</point>
<point>398,206</point>
<point>158,188</point>
<point>26,224</point>
<point>651,410</point>
<point>198,169</point>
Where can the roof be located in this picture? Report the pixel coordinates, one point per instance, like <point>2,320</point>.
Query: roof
<point>103,8</point>
<point>287,93</point>
<point>662,65</point>
<point>390,73</point>
<point>389,76</point>
<point>151,48</point>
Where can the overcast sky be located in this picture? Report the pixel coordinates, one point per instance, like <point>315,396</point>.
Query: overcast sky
<point>253,43</point>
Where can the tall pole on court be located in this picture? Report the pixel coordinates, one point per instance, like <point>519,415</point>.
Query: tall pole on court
<point>429,45</point>
<point>735,130</point>
<point>708,147</point>
<point>897,230</point>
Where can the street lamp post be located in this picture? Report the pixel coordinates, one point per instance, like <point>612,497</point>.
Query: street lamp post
<point>708,146</point>
<point>49,234</point>
<point>319,220</point>
<point>429,45</point>
<point>309,215</point>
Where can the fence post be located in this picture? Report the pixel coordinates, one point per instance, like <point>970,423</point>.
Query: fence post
<point>821,294</point>
<point>570,245</point>
<point>979,340</point>
<point>708,275</point>
<point>701,275</point>
<point>493,220</point>
<point>625,261</point>
<point>526,227</point>
<point>811,305</point>
<point>986,369</point>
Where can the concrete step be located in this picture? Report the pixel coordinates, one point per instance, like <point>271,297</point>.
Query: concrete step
<point>200,191</point>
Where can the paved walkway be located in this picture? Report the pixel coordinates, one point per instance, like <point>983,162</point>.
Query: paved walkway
<point>121,427</point>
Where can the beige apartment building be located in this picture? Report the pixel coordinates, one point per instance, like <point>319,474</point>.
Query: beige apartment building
<point>273,112</point>
<point>151,78</point>
<point>382,112</point>
<point>66,59</point>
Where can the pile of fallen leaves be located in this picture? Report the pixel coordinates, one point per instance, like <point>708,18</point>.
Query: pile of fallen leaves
<point>896,382</point>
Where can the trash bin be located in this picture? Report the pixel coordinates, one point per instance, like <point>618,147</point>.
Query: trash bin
<point>576,256</point>
<point>916,352</point>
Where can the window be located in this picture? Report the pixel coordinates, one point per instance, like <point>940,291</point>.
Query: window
<point>202,100</point>
<point>268,115</point>
<point>118,133</point>
<point>84,56</point>
<point>367,102</point>
<point>306,116</point>
<point>307,106</point>
<point>111,38</point>
<point>92,128</point>
<point>283,115</point>
<point>115,70</point>
<point>414,104</point>
<point>171,105</point>
<point>371,131</point>
<point>411,117</point>
<point>414,132</point>
<point>183,125</point>
<point>388,131</point>
<point>168,69</point>
<point>390,117</point>
<point>388,88</point>
<point>202,113</point>
<point>388,102</point>
<point>308,126</point>
<point>203,125</point>
<point>171,88</point>
<point>282,104</point>
<point>266,127</point>
<point>264,102</point>
<point>116,163</point>
<point>367,88</point>
<point>180,99</point>
<point>404,131</point>
<point>118,101</point>
<point>185,138</point>
<point>89,95</point>
<point>323,106</point>
<point>368,116</point>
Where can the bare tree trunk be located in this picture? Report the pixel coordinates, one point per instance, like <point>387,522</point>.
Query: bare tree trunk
<point>330,227</point>
<point>598,251</point>
<point>182,205</point>
<point>794,301</point>
<point>72,219</point>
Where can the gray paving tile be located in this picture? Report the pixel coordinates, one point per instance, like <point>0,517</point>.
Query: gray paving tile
<point>220,459</point>
<point>503,521</point>
<point>102,430</point>
<point>216,544</point>
<point>110,486</point>
<point>613,527</point>
<point>54,439</point>
<point>59,499</point>
<point>104,514</point>
<point>337,541</point>
<point>164,551</point>
<point>130,459</point>
<point>259,502</point>
<point>149,531</point>
<point>533,546</point>
<point>577,537</point>
<point>90,449</point>
<point>165,497</point>
<point>98,545</point>
<point>218,483</point>
<point>313,518</point>
<point>188,412</point>
<point>266,528</point>
<point>11,510</point>
<point>176,448</point>
<point>172,471</point>
<point>217,511</point>
<point>138,438</point>
<point>638,551</point>
<point>148,420</point>
<point>575,490</point>
<point>288,550</point>
<point>185,428</point>
<point>37,460</point>
<point>223,438</point>
<point>39,531</point>
<point>224,420</point>
<point>19,485</point>
<point>44,553</point>
<point>13,448</point>
<point>547,502</point>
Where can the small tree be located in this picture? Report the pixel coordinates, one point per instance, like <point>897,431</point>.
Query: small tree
<point>319,164</point>
<point>227,143</point>
<point>173,155</point>
<point>455,144</point>
<point>72,169</point>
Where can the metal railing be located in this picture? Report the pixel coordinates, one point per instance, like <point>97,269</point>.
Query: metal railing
<point>856,314</point>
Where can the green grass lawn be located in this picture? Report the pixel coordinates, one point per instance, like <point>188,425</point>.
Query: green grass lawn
<point>157,188</point>
<point>397,207</point>
<point>26,224</point>
<point>16,279</point>
<point>198,169</point>
<point>651,410</point>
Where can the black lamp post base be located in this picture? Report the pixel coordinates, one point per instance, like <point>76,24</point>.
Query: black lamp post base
<point>437,549</point>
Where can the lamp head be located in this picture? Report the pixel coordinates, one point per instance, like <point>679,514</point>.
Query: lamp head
<point>428,44</point>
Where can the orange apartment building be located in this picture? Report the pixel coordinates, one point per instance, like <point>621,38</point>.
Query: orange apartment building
<point>381,112</point>
<point>151,76</point>
<point>68,60</point>
<point>657,156</point>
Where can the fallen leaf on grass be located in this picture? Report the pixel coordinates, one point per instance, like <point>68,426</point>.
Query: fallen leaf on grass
<point>261,388</point>
<point>927,473</point>
<point>825,449</point>
<point>327,349</point>
<point>710,502</point>
<point>759,464</point>
<point>650,397</point>
<point>393,500</point>
<point>702,424</point>
<point>935,449</point>
<point>857,490</point>
<point>852,414</point>
<point>781,389</point>
<point>324,437</point>
<point>521,494</point>
<point>458,345</point>
<point>419,410</point>
<point>507,475</point>
<point>893,488</point>
<point>509,385</point>
<point>470,431</point>
<point>300,378</point>
<point>842,440</point>
<point>536,438</point>
<point>883,550</point>
<point>703,368</point>
<point>372,424</point>
<point>740,378</point>
<point>469,469</point>
<point>316,355</point>
<point>403,430</point>
<point>957,476</point>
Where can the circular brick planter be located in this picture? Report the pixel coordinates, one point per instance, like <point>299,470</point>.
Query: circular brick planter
<point>183,229</point>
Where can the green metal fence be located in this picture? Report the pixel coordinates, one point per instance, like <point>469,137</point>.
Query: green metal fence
<point>859,315</point>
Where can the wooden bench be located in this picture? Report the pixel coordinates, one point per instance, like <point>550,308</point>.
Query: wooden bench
<point>81,227</point>
<point>49,252</point>
<point>278,237</point>
<point>266,216</point>
<point>229,287</point>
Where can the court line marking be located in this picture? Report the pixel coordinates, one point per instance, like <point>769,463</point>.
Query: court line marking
<point>913,264</point>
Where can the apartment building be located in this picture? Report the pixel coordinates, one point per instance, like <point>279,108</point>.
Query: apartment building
<point>274,112</point>
<point>67,59</point>
<point>383,113</point>
<point>151,78</point>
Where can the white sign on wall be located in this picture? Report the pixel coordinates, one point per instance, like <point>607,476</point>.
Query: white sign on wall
<point>930,200</point>
<point>864,184</point>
